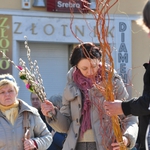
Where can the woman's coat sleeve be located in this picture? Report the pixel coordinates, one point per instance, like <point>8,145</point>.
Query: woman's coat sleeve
<point>42,136</point>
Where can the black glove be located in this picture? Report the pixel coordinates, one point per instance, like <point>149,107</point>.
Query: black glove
<point>146,79</point>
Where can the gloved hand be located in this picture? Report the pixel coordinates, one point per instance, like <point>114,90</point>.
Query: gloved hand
<point>146,79</point>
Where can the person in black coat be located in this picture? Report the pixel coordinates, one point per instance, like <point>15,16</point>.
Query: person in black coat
<point>137,106</point>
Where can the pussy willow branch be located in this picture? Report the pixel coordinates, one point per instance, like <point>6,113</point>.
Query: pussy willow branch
<point>32,76</point>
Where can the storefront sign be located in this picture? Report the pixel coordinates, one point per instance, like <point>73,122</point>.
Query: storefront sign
<point>5,43</point>
<point>124,51</point>
<point>75,6</point>
<point>58,29</point>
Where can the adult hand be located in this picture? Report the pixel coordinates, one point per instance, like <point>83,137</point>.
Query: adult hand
<point>29,144</point>
<point>116,146</point>
<point>47,107</point>
<point>113,108</point>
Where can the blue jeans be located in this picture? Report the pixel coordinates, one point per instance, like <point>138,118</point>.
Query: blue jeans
<point>134,148</point>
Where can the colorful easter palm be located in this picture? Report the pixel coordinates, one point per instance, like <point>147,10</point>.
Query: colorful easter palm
<point>31,77</point>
